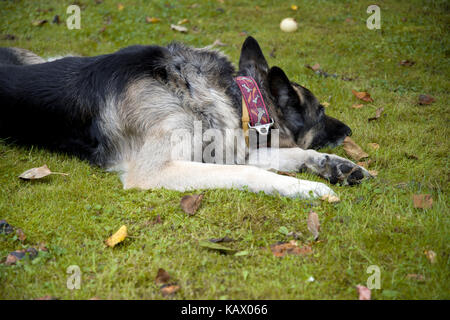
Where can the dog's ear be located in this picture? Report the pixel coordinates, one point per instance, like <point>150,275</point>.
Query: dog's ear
<point>252,59</point>
<point>281,89</point>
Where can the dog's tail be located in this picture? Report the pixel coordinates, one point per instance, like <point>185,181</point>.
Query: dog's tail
<point>18,57</point>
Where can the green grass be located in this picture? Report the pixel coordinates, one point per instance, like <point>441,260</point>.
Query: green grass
<point>374,224</point>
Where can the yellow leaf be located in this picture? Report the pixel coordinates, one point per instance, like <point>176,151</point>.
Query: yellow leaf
<point>117,237</point>
<point>120,7</point>
<point>152,20</point>
<point>294,7</point>
<point>183,21</point>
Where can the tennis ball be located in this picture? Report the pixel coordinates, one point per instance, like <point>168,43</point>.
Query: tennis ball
<point>288,25</point>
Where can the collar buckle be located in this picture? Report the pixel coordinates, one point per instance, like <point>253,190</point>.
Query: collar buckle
<point>263,129</point>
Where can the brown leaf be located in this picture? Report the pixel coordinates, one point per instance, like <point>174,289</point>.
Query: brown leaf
<point>353,150</point>
<point>178,28</point>
<point>17,255</point>
<point>191,203</point>
<point>378,113</point>
<point>315,67</point>
<point>422,201</point>
<point>425,99</point>
<point>291,247</point>
<point>374,145</point>
<point>313,224</point>
<point>366,163</point>
<point>364,292</point>
<point>38,173</point>
<point>39,23</point>
<point>170,289</point>
<point>416,276</point>
<point>152,20</point>
<point>407,63</point>
<point>357,106</point>
<point>431,255</point>
<point>364,96</point>
<point>373,173</point>
<point>162,277</point>
<point>21,235</point>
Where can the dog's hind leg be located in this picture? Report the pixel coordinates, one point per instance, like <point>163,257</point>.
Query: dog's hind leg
<point>186,175</point>
<point>329,166</point>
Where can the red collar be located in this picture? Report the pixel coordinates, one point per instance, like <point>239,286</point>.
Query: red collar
<point>259,116</point>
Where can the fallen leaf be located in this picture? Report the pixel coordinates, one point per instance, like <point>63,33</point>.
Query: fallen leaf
<point>152,20</point>
<point>243,33</point>
<point>313,224</point>
<point>17,255</point>
<point>117,237</point>
<point>294,7</point>
<point>422,201</point>
<point>162,277</point>
<point>215,246</point>
<point>5,227</point>
<point>325,104</point>
<point>178,28</point>
<point>183,21</point>
<point>378,113</point>
<point>191,203</point>
<point>291,247</point>
<point>169,289</point>
<point>364,292</point>
<point>373,173</point>
<point>416,276</point>
<point>120,7</point>
<point>407,63</point>
<point>365,163</point>
<point>353,150</point>
<point>315,67</point>
<point>39,23</point>
<point>224,239</point>
<point>330,198</point>
<point>425,99</point>
<point>431,255</point>
<point>374,146</point>
<point>21,235</point>
<point>364,96</point>
<point>38,173</point>
<point>357,106</point>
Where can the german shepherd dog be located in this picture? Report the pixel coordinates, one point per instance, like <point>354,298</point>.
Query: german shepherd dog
<point>119,111</point>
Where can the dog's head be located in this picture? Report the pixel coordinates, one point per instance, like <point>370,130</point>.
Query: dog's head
<point>301,118</point>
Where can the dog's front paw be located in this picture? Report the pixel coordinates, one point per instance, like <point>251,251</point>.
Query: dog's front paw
<point>336,169</point>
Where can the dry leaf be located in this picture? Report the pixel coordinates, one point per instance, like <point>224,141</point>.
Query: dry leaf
<point>422,201</point>
<point>294,7</point>
<point>416,276</point>
<point>291,247</point>
<point>191,203</point>
<point>374,146</point>
<point>313,224</point>
<point>17,255</point>
<point>39,23</point>
<point>407,63</point>
<point>152,20</point>
<point>325,104</point>
<point>21,235</point>
<point>170,289</point>
<point>365,163</point>
<point>183,21</point>
<point>425,99</point>
<point>373,173</point>
<point>357,106</point>
<point>219,43</point>
<point>364,96</point>
<point>364,292</point>
<point>117,237</point>
<point>120,7</point>
<point>353,150</point>
<point>431,255</point>
<point>330,198</point>
<point>162,277</point>
<point>378,113</point>
<point>178,28</point>
<point>38,173</point>
<point>315,67</point>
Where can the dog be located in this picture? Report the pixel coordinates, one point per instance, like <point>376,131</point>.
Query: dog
<point>120,110</point>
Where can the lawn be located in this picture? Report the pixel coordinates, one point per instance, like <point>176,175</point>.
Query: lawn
<point>374,224</point>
